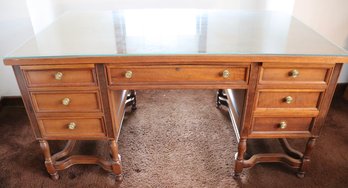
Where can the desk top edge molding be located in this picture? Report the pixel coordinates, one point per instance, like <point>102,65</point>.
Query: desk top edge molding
<point>178,59</point>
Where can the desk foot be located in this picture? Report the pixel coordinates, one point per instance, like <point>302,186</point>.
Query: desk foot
<point>300,175</point>
<point>54,176</point>
<point>236,176</point>
<point>116,158</point>
<point>305,159</point>
<point>49,160</point>
<point>119,177</point>
<point>239,164</point>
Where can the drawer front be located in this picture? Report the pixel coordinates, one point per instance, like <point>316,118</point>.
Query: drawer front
<point>288,99</point>
<point>49,76</point>
<point>72,128</point>
<point>80,101</point>
<point>175,74</point>
<point>278,125</point>
<point>292,75</point>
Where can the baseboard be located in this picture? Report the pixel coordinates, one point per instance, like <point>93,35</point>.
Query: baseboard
<point>16,101</point>
<point>13,101</point>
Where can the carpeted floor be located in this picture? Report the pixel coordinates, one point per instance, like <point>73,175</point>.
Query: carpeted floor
<point>174,139</point>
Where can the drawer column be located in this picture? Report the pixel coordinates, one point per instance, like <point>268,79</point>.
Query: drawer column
<point>71,102</point>
<point>295,101</point>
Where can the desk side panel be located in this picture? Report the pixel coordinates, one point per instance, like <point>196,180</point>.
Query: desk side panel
<point>26,100</point>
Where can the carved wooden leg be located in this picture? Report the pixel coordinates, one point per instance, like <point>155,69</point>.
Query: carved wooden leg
<point>116,160</point>
<point>240,158</point>
<point>48,159</point>
<point>305,159</point>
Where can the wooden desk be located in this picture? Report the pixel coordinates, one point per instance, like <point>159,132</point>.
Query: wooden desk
<point>78,75</point>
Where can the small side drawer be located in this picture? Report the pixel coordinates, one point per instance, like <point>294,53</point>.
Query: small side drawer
<point>67,128</point>
<point>290,74</point>
<point>281,125</point>
<point>77,101</point>
<point>59,75</point>
<point>176,74</point>
<point>289,99</point>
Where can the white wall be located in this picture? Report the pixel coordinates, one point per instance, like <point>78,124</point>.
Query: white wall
<point>15,28</point>
<point>329,18</point>
<point>20,19</point>
<point>43,12</point>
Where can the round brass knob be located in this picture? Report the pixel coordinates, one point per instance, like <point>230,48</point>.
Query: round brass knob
<point>282,124</point>
<point>66,101</point>
<point>72,125</point>
<point>128,74</point>
<point>288,99</point>
<point>226,74</point>
<point>58,75</point>
<point>294,73</point>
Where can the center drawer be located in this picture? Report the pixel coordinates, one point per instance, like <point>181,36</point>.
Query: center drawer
<point>62,101</point>
<point>177,74</point>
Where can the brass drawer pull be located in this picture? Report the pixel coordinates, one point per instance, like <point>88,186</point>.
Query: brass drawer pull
<point>282,124</point>
<point>72,125</point>
<point>66,101</point>
<point>294,73</point>
<point>226,74</point>
<point>288,99</point>
<point>58,75</point>
<point>128,74</point>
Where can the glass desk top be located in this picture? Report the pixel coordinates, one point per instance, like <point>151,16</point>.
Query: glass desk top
<point>171,32</point>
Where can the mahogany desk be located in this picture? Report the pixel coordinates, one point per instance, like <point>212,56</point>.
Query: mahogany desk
<point>78,75</point>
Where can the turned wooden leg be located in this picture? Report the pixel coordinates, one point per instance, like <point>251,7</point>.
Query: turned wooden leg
<point>132,99</point>
<point>218,94</point>
<point>221,98</point>
<point>116,160</point>
<point>48,159</point>
<point>240,158</point>
<point>305,158</point>
<point>134,103</point>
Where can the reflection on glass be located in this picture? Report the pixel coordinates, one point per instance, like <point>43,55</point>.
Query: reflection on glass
<point>167,32</point>
<point>140,29</point>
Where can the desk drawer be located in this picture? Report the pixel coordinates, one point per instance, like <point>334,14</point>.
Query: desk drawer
<point>60,75</point>
<point>295,74</point>
<point>288,99</point>
<point>177,74</point>
<point>281,125</point>
<point>66,128</point>
<point>77,101</point>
